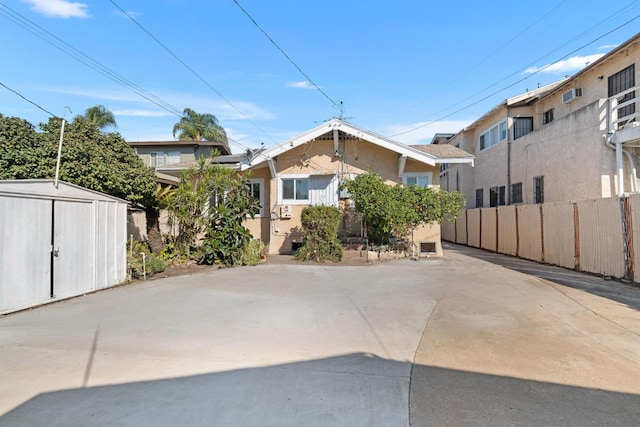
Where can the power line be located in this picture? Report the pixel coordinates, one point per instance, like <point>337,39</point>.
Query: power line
<point>85,59</point>
<point>335,104</point>
<point>190,69</point>
<point>28,100</point>
<point>522,79</point>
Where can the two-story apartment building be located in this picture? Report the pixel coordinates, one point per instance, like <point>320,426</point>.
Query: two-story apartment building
<point>574,139</point>
<point>159,154</point>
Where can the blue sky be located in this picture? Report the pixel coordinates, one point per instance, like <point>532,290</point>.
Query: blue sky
<point>396,67</point>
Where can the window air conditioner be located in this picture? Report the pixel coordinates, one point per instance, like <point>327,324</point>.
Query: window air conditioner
<point>571,95</point>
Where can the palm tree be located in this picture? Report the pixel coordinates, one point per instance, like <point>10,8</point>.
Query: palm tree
<point>200,127</point>
<point>101,116</point>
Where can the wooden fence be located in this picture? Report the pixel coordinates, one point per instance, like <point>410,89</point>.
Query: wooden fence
<point>595,236</point>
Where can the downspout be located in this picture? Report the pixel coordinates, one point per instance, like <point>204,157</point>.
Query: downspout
<point>508,160</point>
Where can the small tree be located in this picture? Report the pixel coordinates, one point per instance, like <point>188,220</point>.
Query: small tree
<point>320,225</point>
<point>99,161</point>
<point>210,204</point>
<point>399,209</point>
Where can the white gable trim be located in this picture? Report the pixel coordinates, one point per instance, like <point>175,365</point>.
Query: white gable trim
<point>336,125</point>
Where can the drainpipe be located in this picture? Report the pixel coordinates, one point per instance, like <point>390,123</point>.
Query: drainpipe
<point>619,167</point>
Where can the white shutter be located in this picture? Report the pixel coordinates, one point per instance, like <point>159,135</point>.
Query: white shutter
<point>323,190</point>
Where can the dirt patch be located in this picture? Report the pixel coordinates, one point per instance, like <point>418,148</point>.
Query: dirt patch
<point>349,257</point>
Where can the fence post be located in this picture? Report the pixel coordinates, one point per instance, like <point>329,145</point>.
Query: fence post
<point>576,237</point>
<point>541,234</point>
<point>627,239</point>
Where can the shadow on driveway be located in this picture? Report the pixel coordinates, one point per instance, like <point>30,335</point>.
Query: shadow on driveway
<point>615,290</point>
<point>350,390</point>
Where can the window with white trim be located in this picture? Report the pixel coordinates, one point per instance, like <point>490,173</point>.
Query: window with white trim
<point>256,189</point>
<point>421,179</point>
<point>493,136</point>
<point>295,189</point>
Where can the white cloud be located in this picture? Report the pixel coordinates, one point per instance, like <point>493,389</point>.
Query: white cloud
<point>569,65</point>
<point>59,8</point>
<point>608,46</point>
<point>424,131</point>
<point>301,85</point>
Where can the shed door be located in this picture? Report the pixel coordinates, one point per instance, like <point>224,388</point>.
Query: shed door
<point>73,242</point>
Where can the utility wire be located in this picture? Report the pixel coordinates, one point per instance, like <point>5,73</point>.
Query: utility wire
<point>524,78</point>
<point>516,82</point>
<point>28,100</point>
<point>335,104</point>
<point>85,59</point>
<point>128,15</point>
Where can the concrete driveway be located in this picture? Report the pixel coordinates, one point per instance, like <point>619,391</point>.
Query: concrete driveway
<point>293,345</point>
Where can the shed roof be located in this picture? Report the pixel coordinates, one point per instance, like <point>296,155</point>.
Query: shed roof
<point>45,188</point>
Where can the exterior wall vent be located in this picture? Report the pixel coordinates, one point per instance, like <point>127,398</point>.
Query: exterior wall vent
<point>571,95</point>
<point>428,248</point>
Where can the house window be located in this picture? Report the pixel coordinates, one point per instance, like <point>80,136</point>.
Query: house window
<point>538,189</point>
<point>295,189</point>
<point>157,159</point>
<point>516,192</point>
<point>493,136</point>
<point>479,198</point>
<point>522,126</point>
<point>620,82</point>
<point>496,196</point>
<point>256,191</point>
<point>547,116</point>
<point>173,157</point>
<point>420,179</point>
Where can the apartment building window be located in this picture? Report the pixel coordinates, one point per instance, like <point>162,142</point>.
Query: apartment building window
<point>173,157</point>
<point>157,159</point>
<point>522,126</point>
<point>496,196</point>
<point>479,198</point>
<point>547,117</point>
<point>493,136</point>
<point>620,82</point>
<point>516,192</point>
<point>538,189</point>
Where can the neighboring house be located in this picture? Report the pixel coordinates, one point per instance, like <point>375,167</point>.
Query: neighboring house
<point>308,169</point>
<point>159,154</point>
<point>574,139</point>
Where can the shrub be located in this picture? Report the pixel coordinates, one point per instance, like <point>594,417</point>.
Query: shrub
<point>254,253</point>
<point>152,264</point>
<point>320,228</point>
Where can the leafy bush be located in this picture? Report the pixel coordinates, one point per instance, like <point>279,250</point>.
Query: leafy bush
<point>320,227</point>
<point>397,210</point>
<point>254,253</point>
<point>212,202</point>
<point>152,264</point>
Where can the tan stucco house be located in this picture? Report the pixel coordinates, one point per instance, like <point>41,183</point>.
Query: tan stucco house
<point>308,169</point>
<point>575,139</point>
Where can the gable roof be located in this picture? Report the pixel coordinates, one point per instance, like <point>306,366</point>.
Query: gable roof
<point>444,151</point>
<point>428,157</point>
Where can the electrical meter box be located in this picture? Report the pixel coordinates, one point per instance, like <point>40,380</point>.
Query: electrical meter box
<point>285,211</point>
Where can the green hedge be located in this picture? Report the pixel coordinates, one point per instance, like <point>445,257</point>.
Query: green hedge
<point>320,227</point>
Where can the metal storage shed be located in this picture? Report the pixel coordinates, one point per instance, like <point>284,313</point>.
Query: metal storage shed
<point>56,243</point>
